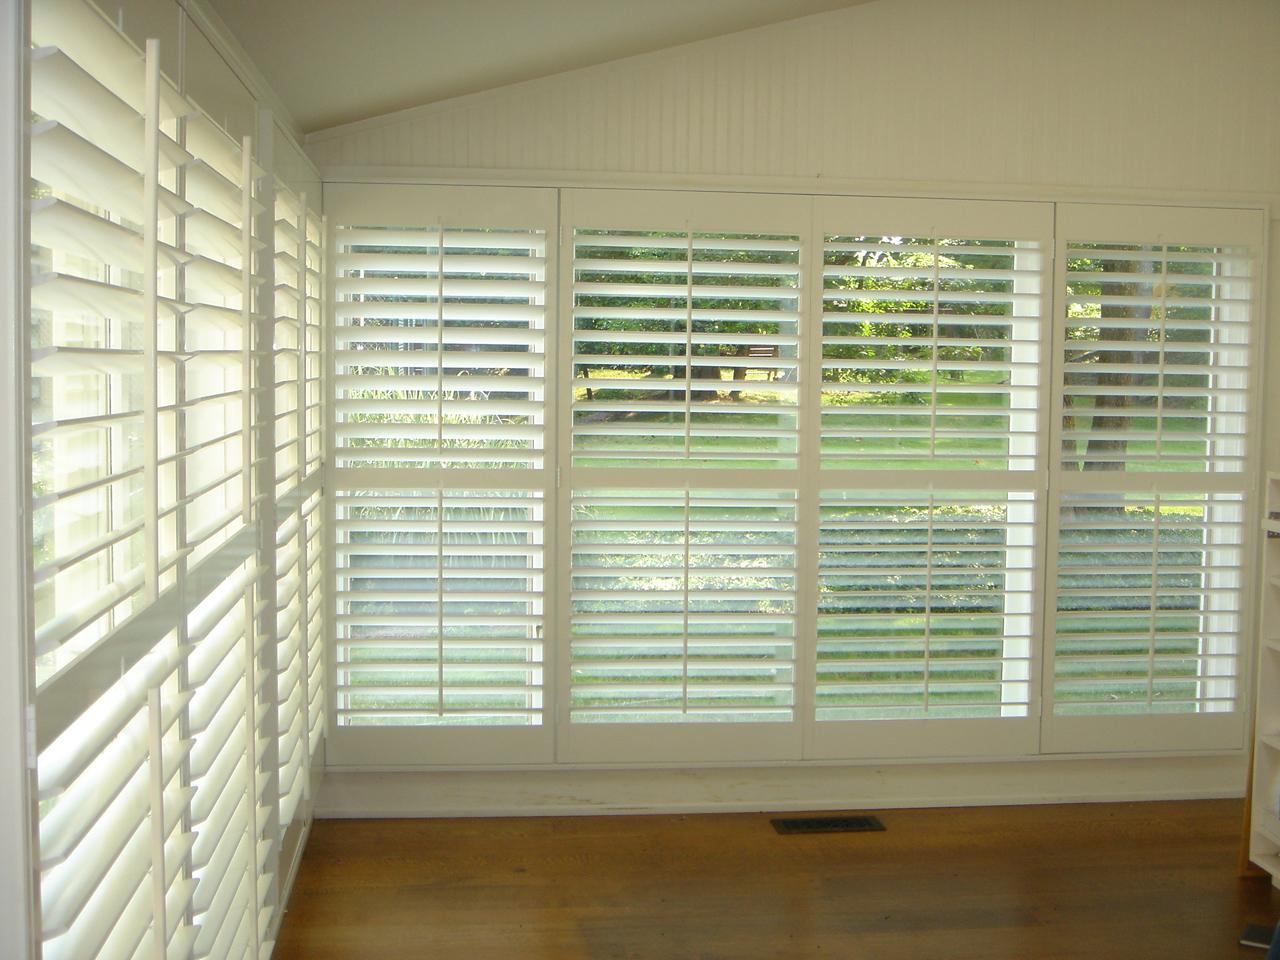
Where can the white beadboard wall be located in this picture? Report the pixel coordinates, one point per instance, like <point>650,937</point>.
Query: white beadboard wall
<point>1150,95</point>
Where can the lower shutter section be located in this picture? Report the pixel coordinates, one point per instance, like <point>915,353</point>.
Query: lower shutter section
<point>926,623</point>
<point>682,607</point>
<point>225,810</point>
<point>440,621</point>
<point>100,784</point>
<point>1147,622</point>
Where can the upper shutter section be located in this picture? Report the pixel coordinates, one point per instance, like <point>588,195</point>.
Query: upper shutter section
<point>440,321</point>
<point>1157,341</point>
<point>931,328</point>
<point>686,330</point>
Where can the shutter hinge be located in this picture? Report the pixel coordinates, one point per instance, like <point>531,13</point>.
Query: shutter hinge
<point>557,478</point>
<point>32,749</point>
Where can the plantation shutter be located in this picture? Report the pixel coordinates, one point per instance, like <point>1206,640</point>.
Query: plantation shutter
<point>450,324</point>
<point>927,498</point>
<point>682,409</point>
<point>440,374</point>
<point>1152,420</point>
<point>151,357</point>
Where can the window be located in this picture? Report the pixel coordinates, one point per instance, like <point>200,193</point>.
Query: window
<point>816,459</point>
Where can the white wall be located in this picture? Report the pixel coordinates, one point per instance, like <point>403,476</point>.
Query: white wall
<point>1133,94</point>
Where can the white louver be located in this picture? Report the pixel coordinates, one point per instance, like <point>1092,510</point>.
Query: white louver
<point>442,497</point>
<point>927,623</point>
<point>312,344</point>
<point>925,605</point>
<point>1148,603</point>
<point>440,617</point>
<point>225,809</point>
<point>314,629</point>
<point>683,606</point>
<point>100,783</point>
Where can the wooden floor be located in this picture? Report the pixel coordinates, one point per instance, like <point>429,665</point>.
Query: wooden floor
<point>1133,881</point>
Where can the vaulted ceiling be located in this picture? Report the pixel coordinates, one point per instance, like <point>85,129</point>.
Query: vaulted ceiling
<point>334,61</point>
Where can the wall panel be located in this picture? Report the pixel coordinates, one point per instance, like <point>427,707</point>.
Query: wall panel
<point>1139,94</point>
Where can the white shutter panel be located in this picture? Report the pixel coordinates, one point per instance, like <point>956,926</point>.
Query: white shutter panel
<point>289,339</point>
<point>87,336</point>
<point>680,577</point>
<point>223,813</point>
<point>110,788</point>
<point>291,541</point>
<point>930,352</point>
<point>1148,617</point>
<point>683,606</point>
<point>313,343</point>
<point>314,629</point>
<point>291,667</point>
<point>928,504</point>
<point>440,608</point>
<point>926,612</point>
<point>1156,357</point>
<point>313,510</point>
<point>686,348</point>
<point>1153,421</point>
<point>440,444</point>
<point>158,827</point>
<point>440,347</point>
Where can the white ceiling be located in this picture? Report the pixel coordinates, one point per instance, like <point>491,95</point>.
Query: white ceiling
<point>333,61</point>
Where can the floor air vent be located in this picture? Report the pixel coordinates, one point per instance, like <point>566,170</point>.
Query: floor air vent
<point>827,824</point>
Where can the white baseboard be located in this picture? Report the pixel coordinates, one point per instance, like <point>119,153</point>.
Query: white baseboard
<point>564,792</point>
